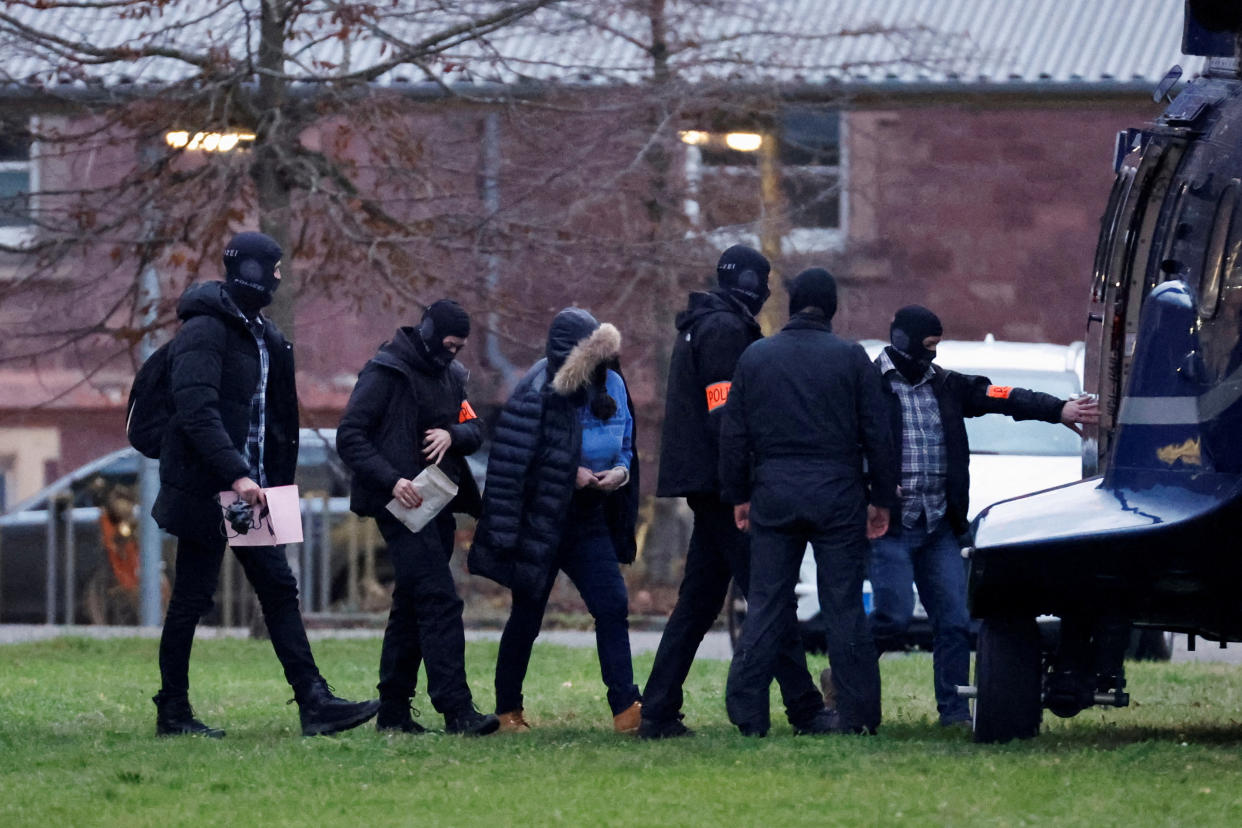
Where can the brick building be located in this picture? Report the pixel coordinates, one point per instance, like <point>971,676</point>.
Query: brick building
<point>956,154</point>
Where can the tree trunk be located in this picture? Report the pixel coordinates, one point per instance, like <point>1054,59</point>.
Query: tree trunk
<point>272,188</point>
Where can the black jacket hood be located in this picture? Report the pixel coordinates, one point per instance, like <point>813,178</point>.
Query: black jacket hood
<point>703,303</point>
<point>207,299</point>
<point>403,354</point>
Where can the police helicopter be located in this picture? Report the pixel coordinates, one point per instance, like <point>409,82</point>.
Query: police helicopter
<point>1149,541</point>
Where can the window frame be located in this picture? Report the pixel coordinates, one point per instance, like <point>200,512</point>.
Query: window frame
<point>19,235</point>
<point>794,240</point>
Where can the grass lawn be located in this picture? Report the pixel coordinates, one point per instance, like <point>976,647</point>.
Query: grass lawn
<point>77,748</point>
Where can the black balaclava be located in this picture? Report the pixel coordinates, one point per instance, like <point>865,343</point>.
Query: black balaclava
<point>250,271</point>
<point>743,273</point>
<point>911,325</point>
<point>813,288</point>
<point>441,319</point>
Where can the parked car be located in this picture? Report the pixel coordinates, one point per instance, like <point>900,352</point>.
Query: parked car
<point>99,558</point>
<point>1007,458</point>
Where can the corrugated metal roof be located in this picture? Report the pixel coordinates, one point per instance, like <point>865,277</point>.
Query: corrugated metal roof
<point>957,42</point>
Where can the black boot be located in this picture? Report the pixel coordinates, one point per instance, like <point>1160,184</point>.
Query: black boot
<point>323,714</point>
<point>470,722</point>
<point>175,717</point>
<point>395,717</point>
<point>663,728</point>
<point>824,722</point>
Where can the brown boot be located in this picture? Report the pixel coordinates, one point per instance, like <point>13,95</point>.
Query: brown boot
<point>513,722</point>
<point>628,720</point>
<point>829,689</point>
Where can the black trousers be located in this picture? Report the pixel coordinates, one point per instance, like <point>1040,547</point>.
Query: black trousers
<point>718,552</point>
<point>194,584</point>
<point>424,624</point>
<point>840,557</point>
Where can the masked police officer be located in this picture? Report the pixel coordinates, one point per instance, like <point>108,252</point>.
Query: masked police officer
<point>712,332</point>
<point>805,413</point>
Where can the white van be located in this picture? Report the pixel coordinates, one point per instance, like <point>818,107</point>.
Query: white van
<point>1007,458</point>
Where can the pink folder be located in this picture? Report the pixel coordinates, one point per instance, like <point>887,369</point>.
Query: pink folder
<point>281,524</point>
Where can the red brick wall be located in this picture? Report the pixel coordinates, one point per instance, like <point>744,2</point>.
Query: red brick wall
<point>987,215</point>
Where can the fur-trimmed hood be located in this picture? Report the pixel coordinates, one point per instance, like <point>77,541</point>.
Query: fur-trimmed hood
<point>577,346</point>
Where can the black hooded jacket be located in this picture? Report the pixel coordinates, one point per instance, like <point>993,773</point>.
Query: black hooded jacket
<point>534,461</point>
<point>712,332</point>
<point>215,370</point>
<point>397,398</point>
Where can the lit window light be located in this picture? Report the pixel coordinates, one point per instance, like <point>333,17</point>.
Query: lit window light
<point>207,141</point>
<point>743,141</point>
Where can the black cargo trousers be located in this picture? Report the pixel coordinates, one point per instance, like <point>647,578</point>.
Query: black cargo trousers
<point>840,558</point>
<point>425,622</point>
<point>718,552</point>
<point>196,577</point>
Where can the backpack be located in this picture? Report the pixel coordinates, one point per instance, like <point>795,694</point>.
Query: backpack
<point>150,406</point>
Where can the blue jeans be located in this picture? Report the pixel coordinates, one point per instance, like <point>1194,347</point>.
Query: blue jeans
<point>586,555</point>
<point>933,562</point>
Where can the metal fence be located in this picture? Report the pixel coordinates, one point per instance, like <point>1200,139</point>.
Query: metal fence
<point>57,567</point>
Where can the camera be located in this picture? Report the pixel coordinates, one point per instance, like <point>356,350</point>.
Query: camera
<point>240,516</point>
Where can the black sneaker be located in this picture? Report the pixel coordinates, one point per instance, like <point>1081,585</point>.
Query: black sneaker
<point>663,729</point>
<point>471,722</point>
<point>397,716</point>
<point>175,717</point>
<point>323,714</point>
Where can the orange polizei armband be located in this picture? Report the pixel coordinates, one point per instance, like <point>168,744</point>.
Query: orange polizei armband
<point>466,412</point>
<point>999,392</point>
<point>718,394</point>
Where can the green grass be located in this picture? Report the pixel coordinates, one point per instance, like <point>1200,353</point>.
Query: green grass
<point>77,748</point>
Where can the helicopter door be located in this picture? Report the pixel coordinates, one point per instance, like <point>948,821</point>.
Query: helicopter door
<point>1123,276</point>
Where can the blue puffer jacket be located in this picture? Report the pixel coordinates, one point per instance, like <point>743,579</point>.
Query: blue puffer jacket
<point>536,447</point>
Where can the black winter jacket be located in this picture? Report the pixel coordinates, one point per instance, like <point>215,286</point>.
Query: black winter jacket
<point>712,332</point>
<point>215,370</point>
<point>532,467</point>
<point>397,398</point>
<point>805,433</point>
<point>960,396</point>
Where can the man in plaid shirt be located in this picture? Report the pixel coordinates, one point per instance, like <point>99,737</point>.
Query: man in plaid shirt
<point>235,427</point>
<point>928,406</point>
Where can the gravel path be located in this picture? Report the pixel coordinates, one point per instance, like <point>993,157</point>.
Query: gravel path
<point>715,645</point>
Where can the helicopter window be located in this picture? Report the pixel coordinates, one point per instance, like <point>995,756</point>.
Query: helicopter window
<point>1108,233</point>
<point>1171,267</point>
<point>1218,244</point>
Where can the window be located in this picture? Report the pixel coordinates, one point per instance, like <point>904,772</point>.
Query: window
<point>17,179</point>
<point>1218,251</point>
<point>728,174</point>
<point>811,172</point>
<point>6,471</point>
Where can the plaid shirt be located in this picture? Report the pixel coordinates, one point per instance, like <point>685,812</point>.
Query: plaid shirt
<point>258,402</point>
<point>923,462</point>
